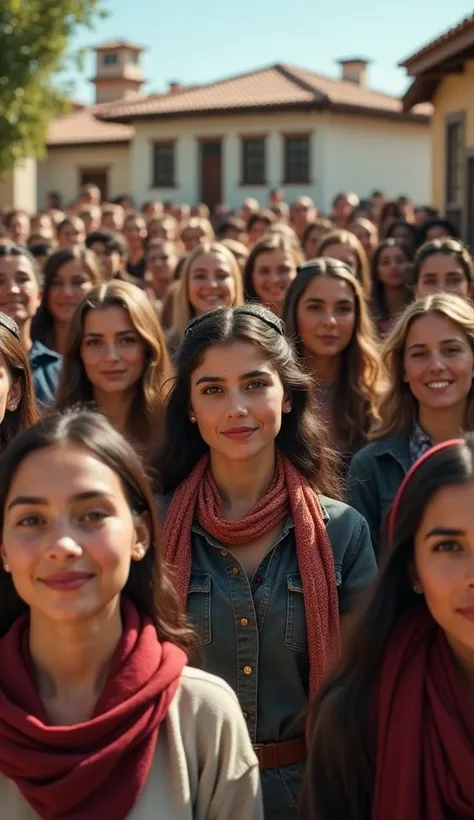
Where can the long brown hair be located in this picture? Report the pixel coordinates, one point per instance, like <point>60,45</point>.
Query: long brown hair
<point>149,586</point>
<point>42,328</point>
<point>357,391</point>
<point>145,417</point>
<point>343,237</point>
<point>270,242</point>
<point>398,408</point>
<point>18,366</point>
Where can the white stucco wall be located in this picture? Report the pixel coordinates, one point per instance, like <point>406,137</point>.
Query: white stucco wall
<point>61,169</point>
<point>18,187</point>
<point>348,153</point>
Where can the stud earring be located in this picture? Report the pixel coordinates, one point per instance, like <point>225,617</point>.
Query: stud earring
<point>192,419</point>
<point>287,409</point>
<point>6,566</point>
<point>12,408</point>
<point>417,589</point>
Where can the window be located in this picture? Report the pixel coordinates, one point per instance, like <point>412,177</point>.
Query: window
<point>110,59</point>
<point>297,159</point>
<point>455,159</point>
<point>163,165</point>
<point>253,161</point>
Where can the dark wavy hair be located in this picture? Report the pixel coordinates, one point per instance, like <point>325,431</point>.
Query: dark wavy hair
<point>378,304</point>
<point>19,370</point>
<point>302,437</point>
<point>340,774</point>
<point>148,586</point>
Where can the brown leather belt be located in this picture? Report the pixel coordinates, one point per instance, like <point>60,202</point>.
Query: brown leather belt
<point>277,755</point>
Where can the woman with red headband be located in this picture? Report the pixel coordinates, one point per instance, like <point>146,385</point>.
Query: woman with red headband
<point>393,727</point>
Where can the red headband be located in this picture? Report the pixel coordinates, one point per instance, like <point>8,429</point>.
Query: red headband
<point>413,469</point>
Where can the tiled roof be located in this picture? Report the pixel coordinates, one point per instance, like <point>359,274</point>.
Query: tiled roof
<point>277,86</point>
<point>82,127</point>
<point>111,44</point>
<point>443,39</point>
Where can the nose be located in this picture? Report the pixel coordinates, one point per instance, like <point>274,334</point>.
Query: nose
<point>63,546</point>
<point>329,318</point>
<point>112,352</point>
<point>235,406</point>
<point>436,361</point>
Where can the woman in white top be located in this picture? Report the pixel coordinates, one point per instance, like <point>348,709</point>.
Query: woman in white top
<point>99,715</point>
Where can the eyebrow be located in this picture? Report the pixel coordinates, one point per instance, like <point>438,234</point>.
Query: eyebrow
<point>443,342</point>
<point>38,500</point>
<point>437,531</point>
<point>120,333</point>
<point>218,379</point>
<point>343,299</point>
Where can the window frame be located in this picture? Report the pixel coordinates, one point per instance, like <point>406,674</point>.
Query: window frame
<point>157,183</point>
<point>288,179</point>
<point>249,139</point>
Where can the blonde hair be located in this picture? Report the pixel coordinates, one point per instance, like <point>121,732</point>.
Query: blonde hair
<point>198,222</point>
<point>398,407</point>
<point>182,309</point>
<point>343,237</point>
<point>145,417</point>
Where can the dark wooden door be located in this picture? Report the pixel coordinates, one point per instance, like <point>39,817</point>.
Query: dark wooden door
<point>469,232</point>
<point>211,173</point>
<point>96,176</point>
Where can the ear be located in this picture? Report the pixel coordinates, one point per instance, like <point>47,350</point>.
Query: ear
<point>286,404</point>
<point>14,396</point>
<point>142,540</point>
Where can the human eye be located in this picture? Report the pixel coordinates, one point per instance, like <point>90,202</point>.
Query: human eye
<point>211,390</point>
<point>447,546</point>
<point>94,516</point>
<point>129,340</point>
<point>93,342</point>
<point>30,521</point>
<point>257,384</point>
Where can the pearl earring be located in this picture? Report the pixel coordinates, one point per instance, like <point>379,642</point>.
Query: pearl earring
<point>417,589</point>
<point>6,566</point>
<point>12,407</point>
<point>287,409</point>
<point>192,419</point>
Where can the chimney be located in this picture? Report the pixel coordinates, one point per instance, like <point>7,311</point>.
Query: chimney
<point>175,86</point>
<point>354,70</point>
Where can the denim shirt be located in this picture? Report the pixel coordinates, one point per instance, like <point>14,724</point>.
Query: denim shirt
<point>252,631</point>
<point>46,369</point>
<point>375,474</point>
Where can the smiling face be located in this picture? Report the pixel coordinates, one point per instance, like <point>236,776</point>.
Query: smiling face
<point>71,234</point>
<point>112,352</point>
<point>70,283</point>
<point>444,565</point>
<point>441,272</point>
<point>326,316</point>
<point>438,363</point>
<point>237,399</point>
<point>210,283</point>
<point>69,535</point>
<point>273,272</point>
<point>19,291</point>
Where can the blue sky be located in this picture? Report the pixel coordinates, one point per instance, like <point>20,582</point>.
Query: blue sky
<point>198,41</point>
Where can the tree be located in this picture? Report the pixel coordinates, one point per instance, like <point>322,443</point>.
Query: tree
<point>34,39</point>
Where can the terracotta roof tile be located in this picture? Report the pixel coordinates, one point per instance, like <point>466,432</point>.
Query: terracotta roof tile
<point>82,127</point>
<point>110,44</point>
<point>448,35</point>
<point>276,86</point>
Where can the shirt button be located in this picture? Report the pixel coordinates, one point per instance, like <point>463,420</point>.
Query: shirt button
<point>247,670</point>
<point>243,622</point>
<point>223,553</point>
<point>235,570</point>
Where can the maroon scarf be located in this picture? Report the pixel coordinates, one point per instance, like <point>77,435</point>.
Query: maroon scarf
<point>425,758</point>
<point>96,769</point>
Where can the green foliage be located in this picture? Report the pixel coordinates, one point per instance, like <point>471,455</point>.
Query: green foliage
<point>34,38</point>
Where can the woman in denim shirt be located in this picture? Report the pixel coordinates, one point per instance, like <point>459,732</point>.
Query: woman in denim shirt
<point>265,563</point>
<point>429,360</point>
<point>325,313</point>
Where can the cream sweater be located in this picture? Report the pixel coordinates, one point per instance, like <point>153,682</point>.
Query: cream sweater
<point>204,767</point>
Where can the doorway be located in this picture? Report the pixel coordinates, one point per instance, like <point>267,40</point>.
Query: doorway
<point>211,172</point>
<point>95,176</point>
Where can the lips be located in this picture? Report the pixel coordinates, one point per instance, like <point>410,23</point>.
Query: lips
<point>66,581</point>
<point>467,612</point>
<point>239,433</point>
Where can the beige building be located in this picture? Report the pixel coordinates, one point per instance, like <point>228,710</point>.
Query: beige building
<point>281,126</point>
<point>443,74</point>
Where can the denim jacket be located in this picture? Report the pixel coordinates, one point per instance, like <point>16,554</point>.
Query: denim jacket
<point>252,631</point>
<point>46,369</point>
<point>375,474</point>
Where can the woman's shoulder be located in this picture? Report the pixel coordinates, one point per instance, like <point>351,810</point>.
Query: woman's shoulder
<point>347,531</point>
<point>386,445</point>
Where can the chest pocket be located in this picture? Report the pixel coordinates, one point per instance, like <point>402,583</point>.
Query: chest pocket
<point>295,632</point>
<point>198,606</point>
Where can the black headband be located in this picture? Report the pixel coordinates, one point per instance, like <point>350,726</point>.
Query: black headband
<point>256,312</point>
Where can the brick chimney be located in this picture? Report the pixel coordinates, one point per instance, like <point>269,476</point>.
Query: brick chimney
<point>175,86</point>
<point>355,71</point>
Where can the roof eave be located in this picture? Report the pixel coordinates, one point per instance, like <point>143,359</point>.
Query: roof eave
<point>431,56</point>
<point>380,113</point>
<point>213,112</point>
<point>89,143</point>
<point>421,90</point>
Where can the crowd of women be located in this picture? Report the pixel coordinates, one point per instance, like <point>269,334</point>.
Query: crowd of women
<point>237,555</point>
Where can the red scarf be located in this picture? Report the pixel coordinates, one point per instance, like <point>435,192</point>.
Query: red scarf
<point>198,497</point>
<point>425,758</point>
<point>96,769</point>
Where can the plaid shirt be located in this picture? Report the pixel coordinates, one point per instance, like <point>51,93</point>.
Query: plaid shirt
<point>419,443</point>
